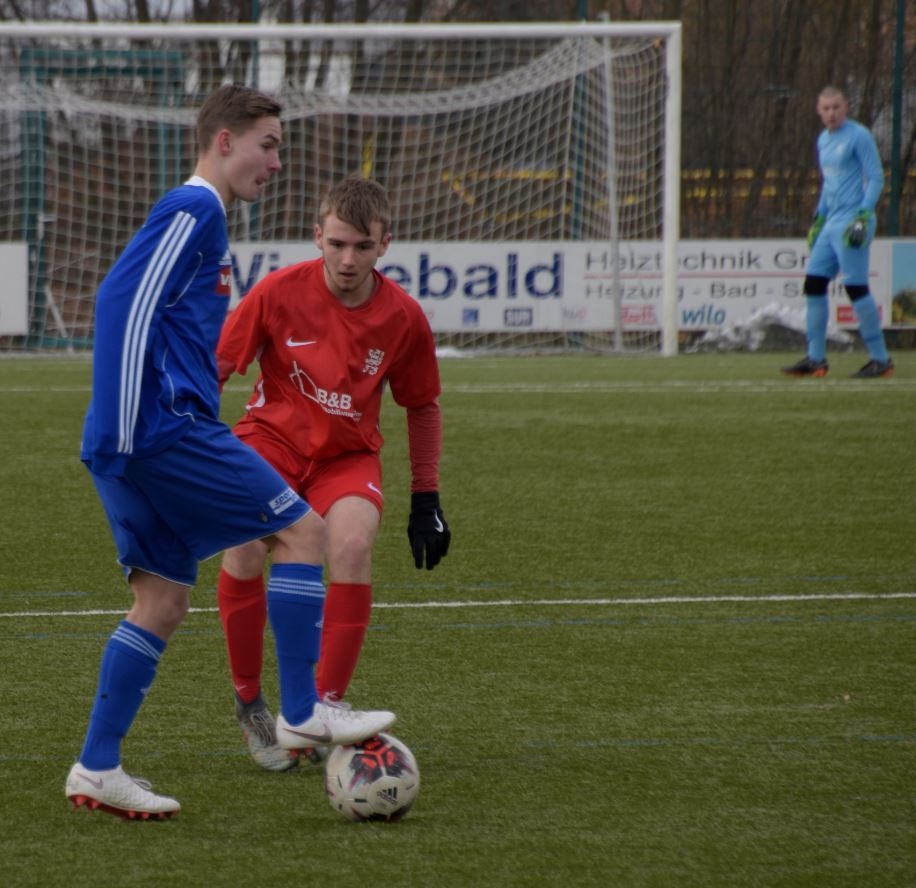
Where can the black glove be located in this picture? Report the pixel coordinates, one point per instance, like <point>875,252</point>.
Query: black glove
<point>857,232</point>
<point>427,530</point>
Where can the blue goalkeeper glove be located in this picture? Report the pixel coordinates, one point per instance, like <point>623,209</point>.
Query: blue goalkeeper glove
<point>427,531</point>
<point>817,223</point>
<point>857,232</point>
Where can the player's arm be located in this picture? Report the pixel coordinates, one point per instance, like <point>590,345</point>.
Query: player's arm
<point>862,227</point>
<point>427,531</point>
<point>154,266</point>
<point>820,214</point>
<point>872,171</point>
<point>242,336</point>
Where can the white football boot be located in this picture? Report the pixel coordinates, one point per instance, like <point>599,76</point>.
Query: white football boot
<point>332,724</point>
<point>117,793</point>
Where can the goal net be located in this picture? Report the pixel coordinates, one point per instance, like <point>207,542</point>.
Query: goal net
<point>533,169</point>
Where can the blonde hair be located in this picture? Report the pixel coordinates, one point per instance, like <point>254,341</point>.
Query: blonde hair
<point>832,92</point>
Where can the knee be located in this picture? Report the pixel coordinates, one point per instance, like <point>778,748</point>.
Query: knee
<point>175,609</point>
<point>246,561</point>
<point>159,605</point>
<point>304,542</point>
<point>856,292</point>
<point>815,285</point>
<point>350,553</point>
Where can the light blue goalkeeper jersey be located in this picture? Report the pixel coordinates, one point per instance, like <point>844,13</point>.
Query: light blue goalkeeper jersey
<point>852,171</point>
<point>158,316</point>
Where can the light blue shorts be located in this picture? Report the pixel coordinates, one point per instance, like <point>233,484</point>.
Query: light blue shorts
<point>830,255</point>
<point>204,494</point>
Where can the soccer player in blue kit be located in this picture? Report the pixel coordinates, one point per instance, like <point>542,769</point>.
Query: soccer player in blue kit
<point>840,235</point>
<point>176,485</point>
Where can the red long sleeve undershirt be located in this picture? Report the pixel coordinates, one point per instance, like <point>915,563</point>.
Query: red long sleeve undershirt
<point>424,443</point>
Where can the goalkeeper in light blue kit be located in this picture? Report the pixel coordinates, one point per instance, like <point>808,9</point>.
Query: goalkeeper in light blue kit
<point>840,236</point>
<point>176,485</point>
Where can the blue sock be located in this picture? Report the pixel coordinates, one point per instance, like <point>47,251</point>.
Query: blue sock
<point>295,603</point>
<point>128,668</point>
<point>816,326</point>
<point>870,327</point>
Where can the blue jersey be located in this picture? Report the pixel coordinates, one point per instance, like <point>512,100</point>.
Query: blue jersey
<point>852,171</point>
<point>158,316</point>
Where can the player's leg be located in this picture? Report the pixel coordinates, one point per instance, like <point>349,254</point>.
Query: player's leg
<point>221,493</point>
<point>347,490</point>
<point>854,262</point>
<point>240,595</point>
<point>817,309</point>
<point>817,315</point>
<point>353,523</point>
<point>822,268</point>
<point>295,604</point>
<point>330,485</point>
<point>242,600</point>
<point>131,655</point>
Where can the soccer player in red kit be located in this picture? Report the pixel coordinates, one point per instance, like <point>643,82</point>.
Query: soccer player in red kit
<point>329,335</point>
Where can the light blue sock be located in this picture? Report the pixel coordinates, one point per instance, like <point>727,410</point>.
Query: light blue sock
<point>816,326</point>
<point>870,327</point>
<point>128,668</point>
<point>295,603</point>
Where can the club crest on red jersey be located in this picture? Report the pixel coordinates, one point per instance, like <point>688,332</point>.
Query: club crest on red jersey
<point>373,361</point>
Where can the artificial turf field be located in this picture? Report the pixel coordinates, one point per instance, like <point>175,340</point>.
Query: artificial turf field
<point>673,644</point>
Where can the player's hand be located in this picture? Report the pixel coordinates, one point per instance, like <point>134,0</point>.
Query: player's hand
<point>427,531</point>
<point>817,223</point>
<point>857,232</point>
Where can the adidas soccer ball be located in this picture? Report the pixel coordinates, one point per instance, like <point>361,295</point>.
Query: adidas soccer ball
<point>376,779</point>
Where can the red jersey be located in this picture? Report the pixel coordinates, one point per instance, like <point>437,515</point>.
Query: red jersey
<point>324,366</point>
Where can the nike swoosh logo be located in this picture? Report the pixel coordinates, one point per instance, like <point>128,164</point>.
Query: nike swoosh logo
<point>373,488</point>
<point>324,737</point>
<point>98,784</point>
<point>439,525</point>
<point>294,343</point>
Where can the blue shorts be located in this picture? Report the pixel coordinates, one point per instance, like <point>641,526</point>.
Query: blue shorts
<point>204,494</point>
<point>830,255</point>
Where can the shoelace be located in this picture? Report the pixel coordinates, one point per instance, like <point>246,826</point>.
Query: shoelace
<point>341,707</point>
<point>143,784</point>
<point>261,725</point>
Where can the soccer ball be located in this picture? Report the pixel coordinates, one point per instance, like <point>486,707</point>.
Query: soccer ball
<point>377,779</point>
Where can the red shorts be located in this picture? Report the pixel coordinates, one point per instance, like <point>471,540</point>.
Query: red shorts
<point>324,481</point>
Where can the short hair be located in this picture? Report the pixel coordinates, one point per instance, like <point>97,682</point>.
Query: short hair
<point>831,92</point>
<point>358,201</point>
<point>235,107</point>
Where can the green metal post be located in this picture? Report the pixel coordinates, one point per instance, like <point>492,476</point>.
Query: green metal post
<point>893,210</point>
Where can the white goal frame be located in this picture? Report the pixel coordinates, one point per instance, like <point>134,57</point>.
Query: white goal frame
<point>665,33</point>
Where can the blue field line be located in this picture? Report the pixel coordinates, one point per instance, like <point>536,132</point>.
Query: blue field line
<point>540,602</point>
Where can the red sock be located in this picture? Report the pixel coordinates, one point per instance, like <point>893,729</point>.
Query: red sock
<point>243,610</point>
<point>346,617</point>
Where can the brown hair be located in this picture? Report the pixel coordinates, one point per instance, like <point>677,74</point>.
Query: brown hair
<point>359,202</point>
<point>234,107</point>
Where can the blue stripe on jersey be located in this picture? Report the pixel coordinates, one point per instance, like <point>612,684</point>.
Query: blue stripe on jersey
<point>163,260</point>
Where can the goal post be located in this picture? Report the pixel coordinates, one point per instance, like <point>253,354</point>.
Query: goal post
<point>534,169</point>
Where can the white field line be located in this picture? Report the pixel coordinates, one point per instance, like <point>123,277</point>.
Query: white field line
<point>806,387</point>
<point>542,602</point>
